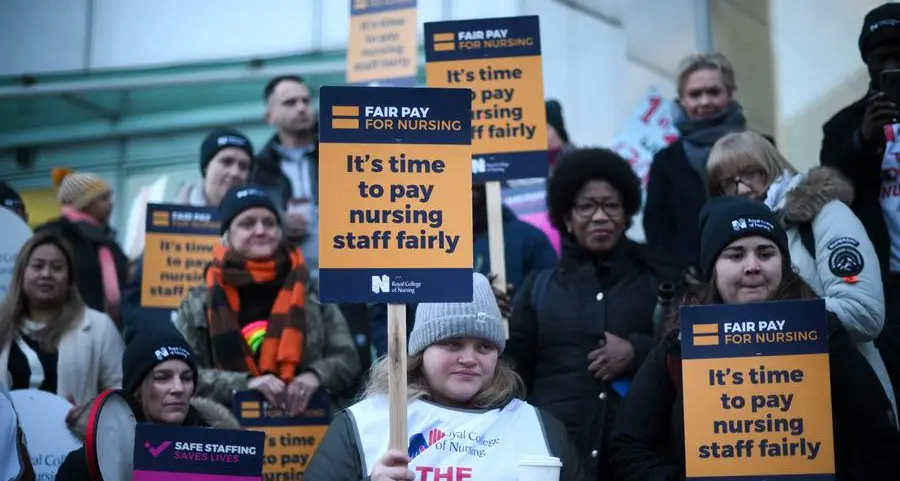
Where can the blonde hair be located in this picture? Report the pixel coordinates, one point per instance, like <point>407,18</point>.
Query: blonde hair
<point>707,61</point>
<point>14,307</point>
<point>736,152</point>
<point>505,386</point>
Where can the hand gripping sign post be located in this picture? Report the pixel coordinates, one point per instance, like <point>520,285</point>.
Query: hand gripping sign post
<point>757,391</point>
<point>394,225</point>
<point>499,59</point>
<point>178,246</point>
<point>382,46</point>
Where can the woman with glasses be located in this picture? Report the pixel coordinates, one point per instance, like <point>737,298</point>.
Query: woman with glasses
<point>829,245</point>
<point>579,331</point>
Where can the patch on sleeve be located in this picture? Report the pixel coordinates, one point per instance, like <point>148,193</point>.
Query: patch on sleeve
<point>845,260</point>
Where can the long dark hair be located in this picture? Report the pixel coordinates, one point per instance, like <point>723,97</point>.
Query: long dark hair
<point>14,306</point>
<point>792,287</point>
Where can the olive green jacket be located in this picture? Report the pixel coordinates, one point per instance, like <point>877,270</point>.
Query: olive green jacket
<point>329,350</point>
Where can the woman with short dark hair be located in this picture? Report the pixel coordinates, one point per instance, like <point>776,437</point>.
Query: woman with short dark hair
<point>579,331</point>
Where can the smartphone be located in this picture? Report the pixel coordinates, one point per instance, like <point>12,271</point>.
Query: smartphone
<point>890,85</point>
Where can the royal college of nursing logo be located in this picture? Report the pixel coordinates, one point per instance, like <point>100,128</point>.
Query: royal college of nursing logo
<point>418,443</point>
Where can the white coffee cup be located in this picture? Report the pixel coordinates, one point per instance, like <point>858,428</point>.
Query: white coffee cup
<point>539,468</point>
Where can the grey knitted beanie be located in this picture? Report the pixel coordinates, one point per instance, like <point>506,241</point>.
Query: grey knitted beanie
<point>480,318</point>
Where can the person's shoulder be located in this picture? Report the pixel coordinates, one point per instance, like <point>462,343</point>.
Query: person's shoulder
<point>850,113</point>
<point>672,150</point>
<point>666,267</point>
<point>56,226</point>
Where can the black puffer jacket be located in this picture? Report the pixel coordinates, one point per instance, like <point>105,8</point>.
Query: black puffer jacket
<point>583,299</point>
<point>648,437</point>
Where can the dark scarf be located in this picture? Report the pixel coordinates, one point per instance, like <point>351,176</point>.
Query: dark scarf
<point>609,266</point>
<point>282,347</point>
<point>699,135</point>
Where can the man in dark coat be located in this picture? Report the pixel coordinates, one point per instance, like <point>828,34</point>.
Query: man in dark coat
<point>854,142</point>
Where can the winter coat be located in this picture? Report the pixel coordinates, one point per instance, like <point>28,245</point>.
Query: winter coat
<point>328,349</point>
<point>203,413</point>
<point>648,438</point>
<point>525,249</point>
<point>338,457</point>
<point>267,174</point>
<point>675,195</point>
<point>553,329</point>
<point>842,149</point>
<point>90,358</point>
<point>845,271</point>
<point>85,240</point>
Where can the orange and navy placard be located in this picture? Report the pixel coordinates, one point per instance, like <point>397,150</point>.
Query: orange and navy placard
<point>290,441</point>
<point>382,48</point>
<point>499,59</point>
<point>177,247</point>
<point>395,215</point>
<point>757,392</point>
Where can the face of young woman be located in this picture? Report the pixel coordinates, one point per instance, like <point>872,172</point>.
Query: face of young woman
<point>165,394</point>
<point>704,94</point>
<point>458,369</point>
<point>46,279</point>
<point>748,270</point>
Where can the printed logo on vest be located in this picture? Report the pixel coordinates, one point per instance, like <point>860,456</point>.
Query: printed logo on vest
<point>418,443</point>
<point>471,443</point>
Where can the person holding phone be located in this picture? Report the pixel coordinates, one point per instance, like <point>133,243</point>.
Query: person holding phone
<point>862,142</point>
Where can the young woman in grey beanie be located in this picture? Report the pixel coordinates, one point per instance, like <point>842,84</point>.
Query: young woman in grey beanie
<point>465,415</point>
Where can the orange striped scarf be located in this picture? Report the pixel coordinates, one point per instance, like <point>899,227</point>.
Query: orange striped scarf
<point>282,347</point>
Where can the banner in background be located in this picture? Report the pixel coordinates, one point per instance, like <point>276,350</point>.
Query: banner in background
<point>15,234</point>
<point>178,246</point>
<point>650,129</point>
<point>42,417</point>
<point>757,391</point>
<point>189,453</point>
<point>393,225</point>
<point>382,48</point>
<point>499,59</point>
<point>529,202</point>
<point>41,205</point>
<point>290,441</point>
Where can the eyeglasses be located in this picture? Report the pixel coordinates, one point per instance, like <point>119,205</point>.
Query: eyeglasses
<point>748,178</point>
<point>588,209</point>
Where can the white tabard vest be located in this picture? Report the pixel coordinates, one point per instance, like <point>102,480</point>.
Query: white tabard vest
<point>890,191</point>
<point>448,444</point>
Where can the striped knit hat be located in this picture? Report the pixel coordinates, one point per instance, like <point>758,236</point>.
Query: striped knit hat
<point>78,189</point>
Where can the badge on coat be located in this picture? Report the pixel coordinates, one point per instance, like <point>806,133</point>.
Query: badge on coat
<point>845,260</point>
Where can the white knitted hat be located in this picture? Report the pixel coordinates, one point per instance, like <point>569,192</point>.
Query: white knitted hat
<point>480,318</point>
<point>78,189</point>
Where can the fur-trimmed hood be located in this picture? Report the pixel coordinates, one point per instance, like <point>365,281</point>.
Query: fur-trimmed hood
<point>205,410</point>
<point>800,197</point>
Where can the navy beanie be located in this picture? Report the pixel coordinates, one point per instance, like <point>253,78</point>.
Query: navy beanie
<point>881,23</point>
<point>221,139</point>
<point>150,345</point>
<point>240,198</point>
<point>724,220</point>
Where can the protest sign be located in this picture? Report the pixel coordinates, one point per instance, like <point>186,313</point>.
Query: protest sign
<point>291,441</point>
<point>165,452</point>
<point>757,391</point>
<point>42,417</point>
<point>178,246</point>
<point>650,129</point>
<point>499,59</point>
<point>15,234</point>
<point>382,45</point>
<point>394,227</point>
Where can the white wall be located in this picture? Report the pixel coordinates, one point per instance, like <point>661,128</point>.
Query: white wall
<point>818,69</point>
